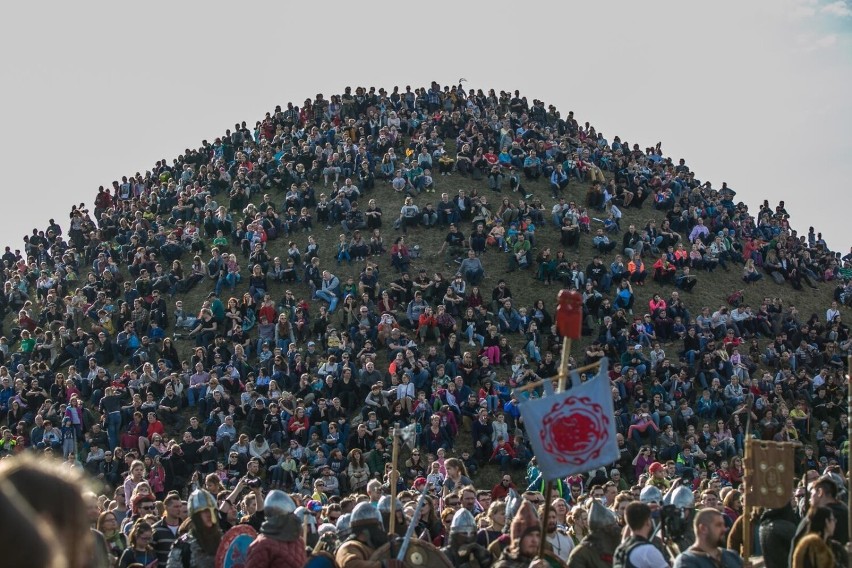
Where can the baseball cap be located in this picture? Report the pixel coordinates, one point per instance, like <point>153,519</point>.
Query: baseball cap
<point>655,467</point>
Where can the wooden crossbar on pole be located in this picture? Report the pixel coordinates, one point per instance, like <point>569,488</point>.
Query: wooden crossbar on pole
<point>537,384</point>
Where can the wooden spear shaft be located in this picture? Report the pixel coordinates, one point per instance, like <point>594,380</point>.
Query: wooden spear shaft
<point>392,481</point>
<point>560,386</point>
<point>746,548</point>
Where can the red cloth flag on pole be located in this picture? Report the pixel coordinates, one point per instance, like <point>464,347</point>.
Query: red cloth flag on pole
<point>569,314</point>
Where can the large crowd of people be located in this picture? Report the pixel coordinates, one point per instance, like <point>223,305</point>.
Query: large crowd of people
<point>192,414</point>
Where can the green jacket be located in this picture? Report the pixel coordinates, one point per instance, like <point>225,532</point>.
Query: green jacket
<point>375,462</point>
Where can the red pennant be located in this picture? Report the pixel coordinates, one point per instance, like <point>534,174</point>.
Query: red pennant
<point>569,314</point>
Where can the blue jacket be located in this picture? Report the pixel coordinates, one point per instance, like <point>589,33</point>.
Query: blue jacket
<point>5,395</point>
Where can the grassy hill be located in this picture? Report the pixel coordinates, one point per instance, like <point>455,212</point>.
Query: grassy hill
<point>711,291</point>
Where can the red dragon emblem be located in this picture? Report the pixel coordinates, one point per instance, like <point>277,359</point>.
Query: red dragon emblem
<point>574,431</point>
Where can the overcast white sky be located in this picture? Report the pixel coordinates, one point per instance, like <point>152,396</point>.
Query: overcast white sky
<point>753,93</point>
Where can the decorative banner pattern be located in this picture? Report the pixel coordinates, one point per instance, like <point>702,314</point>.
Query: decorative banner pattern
<point>573,431</point>
<point>769,473</point>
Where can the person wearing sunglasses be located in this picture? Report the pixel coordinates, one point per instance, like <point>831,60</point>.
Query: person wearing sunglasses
<point>140,552</point>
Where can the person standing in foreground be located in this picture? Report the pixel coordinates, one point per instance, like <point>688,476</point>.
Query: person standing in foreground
<point>200,534</point>
<point>707,551</point>
<point>814,550</point>
<point>280,541</point>
<point>368,535</point>
<point>166,529</point>
<point>596,548</point>
<point>526,537</point>
<point>823,493</point>
<point>638,551</point>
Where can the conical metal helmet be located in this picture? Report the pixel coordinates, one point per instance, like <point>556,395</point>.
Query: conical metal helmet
<point>682,498</point>
<point>343,529</point>
<point>600,517</point>
<point>201,500</point>
<point>463,523</point>
<point>278,503</point>
<point>651,494</point>
<point>365,514</point>
<point>303,515</point>
<point>385,504</point>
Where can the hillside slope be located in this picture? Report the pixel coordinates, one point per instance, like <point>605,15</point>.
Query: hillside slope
<point>711,291</point>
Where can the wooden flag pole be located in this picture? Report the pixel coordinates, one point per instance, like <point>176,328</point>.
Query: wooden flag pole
<point>563,366</point>
<point>849,444</point>
<point>305,527</point>
<point>560,386</point>
<point>746,548</point>
<point>392,481</point>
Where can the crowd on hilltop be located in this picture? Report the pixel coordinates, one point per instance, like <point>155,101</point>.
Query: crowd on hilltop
<point>301,393</point>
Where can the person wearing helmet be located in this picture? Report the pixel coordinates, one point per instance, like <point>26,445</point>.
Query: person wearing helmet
<point>651,496</point>
<point>367,535</point>
<point>200,533</point>
<point>462,549</point>
<point>280,541</point>
<point>526,537</point>
<point>328,542</point>
<point>307,517</point>
<point>597,547</point>
<point>343,528</point>
<point>682,499</point>
<point>331,536</point>
<point>401,524</point>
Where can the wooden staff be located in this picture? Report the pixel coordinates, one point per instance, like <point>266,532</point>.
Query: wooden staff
<point>537,384</point>
<point>392,480</point>
<point>848,445</point>
<point>560,386</point>
<point>305,525</point>
<point>563,364</point>
<point>746,548</point>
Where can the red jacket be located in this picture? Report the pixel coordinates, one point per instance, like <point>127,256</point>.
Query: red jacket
<point>500,491</point>
<point>265,551</point>
<point>504,446</point>
<point>295,424</point>
<point>426,321</point>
